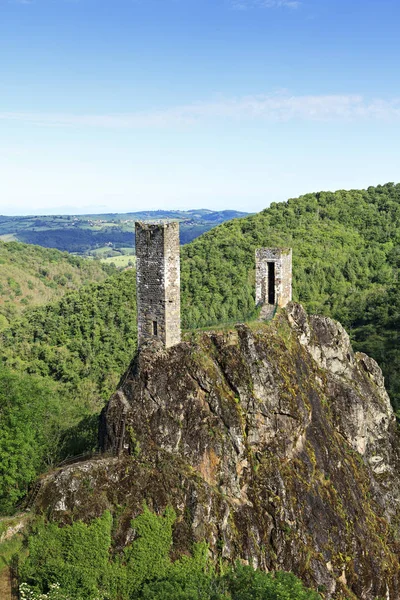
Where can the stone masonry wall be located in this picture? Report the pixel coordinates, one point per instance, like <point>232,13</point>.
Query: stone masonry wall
<point>172,282</point>
<point>158,282</point>
<point>282,258</point>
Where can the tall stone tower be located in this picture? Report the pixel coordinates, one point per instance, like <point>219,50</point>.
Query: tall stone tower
<point>158,282</point>
<point>273,276</point>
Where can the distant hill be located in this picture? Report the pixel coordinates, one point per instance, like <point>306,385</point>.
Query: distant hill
<point>31,276</point>
<point>104,233</point>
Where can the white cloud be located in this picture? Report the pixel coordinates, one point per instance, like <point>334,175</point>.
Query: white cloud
<point>273,108</point>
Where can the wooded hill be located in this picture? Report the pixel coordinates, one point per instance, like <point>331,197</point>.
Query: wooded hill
<point>31,276</point>
<point>346,259</point>
<point>70,354</point>
<point>58,365</point>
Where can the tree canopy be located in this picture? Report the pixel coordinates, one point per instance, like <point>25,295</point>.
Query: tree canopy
<point>346,259</point>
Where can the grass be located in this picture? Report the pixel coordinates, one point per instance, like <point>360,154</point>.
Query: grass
<point>127,250</point>
<point>101,251</point>
<point>10,548</point>
<point>107,251</point>
<point>120,261</point>
<point>8,237</point>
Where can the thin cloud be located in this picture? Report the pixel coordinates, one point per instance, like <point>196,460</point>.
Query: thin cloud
<point>274,108</point>
<point>248,4</point>
<point>236,4</point>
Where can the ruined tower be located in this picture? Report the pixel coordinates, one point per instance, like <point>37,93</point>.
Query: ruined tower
<point>158,282</point>
<point>273,276</point>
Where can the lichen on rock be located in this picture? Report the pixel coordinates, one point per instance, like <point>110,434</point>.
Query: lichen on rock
<point>272,441</point>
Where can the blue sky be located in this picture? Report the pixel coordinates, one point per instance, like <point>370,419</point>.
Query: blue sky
<point>142,104</point>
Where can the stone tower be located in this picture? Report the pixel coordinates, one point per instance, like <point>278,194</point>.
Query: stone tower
<point>273,276</point>
<point>158,282</point>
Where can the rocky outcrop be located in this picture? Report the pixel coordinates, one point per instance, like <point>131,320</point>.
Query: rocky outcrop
<point>273,441</point>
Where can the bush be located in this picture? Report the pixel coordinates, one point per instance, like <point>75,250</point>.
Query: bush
<point>75,562</point>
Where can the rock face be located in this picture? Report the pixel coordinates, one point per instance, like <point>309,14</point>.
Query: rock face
<point>274,442</point>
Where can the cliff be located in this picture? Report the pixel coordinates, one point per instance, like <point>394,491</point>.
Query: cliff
<point>272,441</point>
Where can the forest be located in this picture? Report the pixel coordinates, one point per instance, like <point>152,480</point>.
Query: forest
<point>32,275</point>
<point>60,362</point>
<point>71,353</point>
<point>346,259</point>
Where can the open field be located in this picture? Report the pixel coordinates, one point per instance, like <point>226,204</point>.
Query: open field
<point>8,237</point>
<point>121,261</point>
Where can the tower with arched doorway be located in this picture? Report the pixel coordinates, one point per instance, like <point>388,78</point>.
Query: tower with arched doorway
<point>273,276</point>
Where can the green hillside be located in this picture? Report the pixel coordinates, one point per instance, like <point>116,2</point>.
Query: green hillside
<point>346,259</point>
<point>58,365</point>
<point>31,275</point>
<point>68,356</point>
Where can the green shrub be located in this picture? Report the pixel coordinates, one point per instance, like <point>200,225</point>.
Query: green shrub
<point>76,563</point>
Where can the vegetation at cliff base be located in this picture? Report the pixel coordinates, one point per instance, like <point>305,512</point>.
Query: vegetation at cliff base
<point>29,433</point>
<point>77,562</point>
<point>58,365</point>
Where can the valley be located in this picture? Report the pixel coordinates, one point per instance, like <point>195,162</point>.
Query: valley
<point>61,361</point>
<point>104,235</point>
